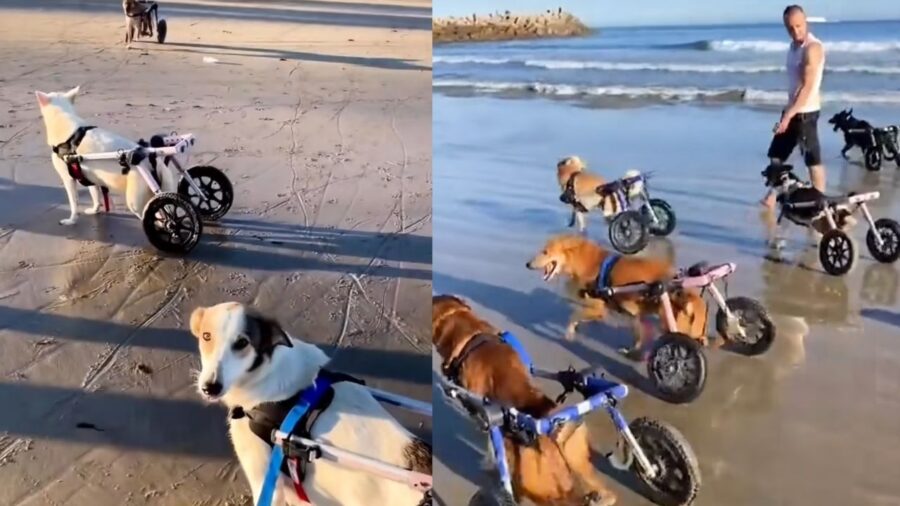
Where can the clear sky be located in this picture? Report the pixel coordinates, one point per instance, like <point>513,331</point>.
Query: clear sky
<point>677,12</point>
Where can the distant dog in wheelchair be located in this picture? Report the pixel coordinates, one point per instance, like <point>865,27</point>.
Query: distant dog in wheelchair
<point>875,143</point>
<point>139,20</point>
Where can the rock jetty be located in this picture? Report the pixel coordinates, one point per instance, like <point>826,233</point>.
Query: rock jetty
<point>507,26</point>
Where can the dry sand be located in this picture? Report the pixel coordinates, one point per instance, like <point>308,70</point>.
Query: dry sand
<point>319,112</point>
<point>813,421</point>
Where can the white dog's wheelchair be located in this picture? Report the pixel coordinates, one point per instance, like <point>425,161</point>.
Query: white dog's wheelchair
<point>171,221</point>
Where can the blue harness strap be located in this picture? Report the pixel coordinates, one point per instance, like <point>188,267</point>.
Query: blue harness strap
<point>605,268</point>
<point>309,397</point>
<point>510,339</point>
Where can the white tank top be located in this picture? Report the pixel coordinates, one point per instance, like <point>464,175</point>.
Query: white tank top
<point>795,75</point>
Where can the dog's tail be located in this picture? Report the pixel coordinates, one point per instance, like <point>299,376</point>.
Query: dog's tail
<point>636,189</point>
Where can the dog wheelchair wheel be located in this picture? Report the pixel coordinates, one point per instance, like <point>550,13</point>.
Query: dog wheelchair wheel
<point>889,230</point>
<point>171,223</point>
<point>873,158</point>
<point>215,186</point>
<point>677,368</point>
<point>665,217</point>
<point>836,252</point>
<point>161,31</point>
<point>677,479</point>
<point>628,232</point>
<point>751,320</point>
<point>494,496</point>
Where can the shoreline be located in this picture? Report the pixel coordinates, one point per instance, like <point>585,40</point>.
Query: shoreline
<point>507,26</point>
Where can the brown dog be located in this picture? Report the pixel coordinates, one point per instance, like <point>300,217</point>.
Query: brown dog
<point>580,261</point>
<point>557,469</point>
<point>581,186</point>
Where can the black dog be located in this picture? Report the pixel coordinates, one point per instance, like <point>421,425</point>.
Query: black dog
<point>801,203</point>
<point>857,132</point>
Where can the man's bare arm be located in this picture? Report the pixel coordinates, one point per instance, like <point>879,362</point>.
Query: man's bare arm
<point>812,63</point>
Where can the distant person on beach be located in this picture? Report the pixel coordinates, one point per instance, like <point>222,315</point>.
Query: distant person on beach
<point>798,124</point>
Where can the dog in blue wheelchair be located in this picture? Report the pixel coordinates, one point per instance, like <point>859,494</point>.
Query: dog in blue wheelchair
<point>541,448</point>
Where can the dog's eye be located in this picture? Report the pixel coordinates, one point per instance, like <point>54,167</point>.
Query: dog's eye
<point>206,336</point>
<point>240,344</point>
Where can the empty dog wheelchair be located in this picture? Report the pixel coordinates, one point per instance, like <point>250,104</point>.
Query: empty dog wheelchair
<point>171,221</point>
<point>637,215</point>
<point>656,451</point>
<point>805,206</point>
<point>677,364</point>
<point>296,451</point>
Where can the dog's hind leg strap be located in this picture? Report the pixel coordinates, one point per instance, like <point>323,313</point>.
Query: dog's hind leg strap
<point>272,474</point>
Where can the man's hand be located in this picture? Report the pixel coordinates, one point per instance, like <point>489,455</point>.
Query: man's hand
<point>784,123</point>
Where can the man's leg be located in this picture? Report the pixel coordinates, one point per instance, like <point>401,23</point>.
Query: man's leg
<point>812,155</point>
<point>779,151</point>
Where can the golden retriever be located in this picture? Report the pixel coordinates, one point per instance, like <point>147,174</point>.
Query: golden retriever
<point>579,260</point>
<point>557,469</point>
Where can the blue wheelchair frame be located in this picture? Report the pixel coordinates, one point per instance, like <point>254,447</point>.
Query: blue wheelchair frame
<point>597,392</point>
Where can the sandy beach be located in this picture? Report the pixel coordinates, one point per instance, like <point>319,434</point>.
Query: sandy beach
<point>320,114</point>
<point>813,421</point>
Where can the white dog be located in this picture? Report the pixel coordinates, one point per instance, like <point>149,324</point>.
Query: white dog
<point>248,360</point>
<point>62,122</point>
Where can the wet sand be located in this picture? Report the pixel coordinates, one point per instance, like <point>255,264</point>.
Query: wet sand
<point>811,422</point>
<point>321,119</point>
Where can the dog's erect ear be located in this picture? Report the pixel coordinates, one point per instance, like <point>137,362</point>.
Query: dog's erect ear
<point>197,321</point>
<point>850,112</point>
<point>42,98</point>
<point>265,334</point>
<point>71,94</point>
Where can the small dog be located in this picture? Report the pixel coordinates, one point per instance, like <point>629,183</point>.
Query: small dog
<point>584,191</point>
<point>860,136</point>
<point>62,123</point>
<point>555,470</point>
<point>790,190</point>
<point>580,261</point>
<point>248,360</point>
<point>136,20</point>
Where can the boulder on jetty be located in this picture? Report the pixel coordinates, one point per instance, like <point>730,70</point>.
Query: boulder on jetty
<point>507,26</point>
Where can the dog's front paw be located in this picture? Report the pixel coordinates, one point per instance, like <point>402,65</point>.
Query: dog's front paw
<point>68,222</point>
<point>570,335</point>
<point>90,211</point>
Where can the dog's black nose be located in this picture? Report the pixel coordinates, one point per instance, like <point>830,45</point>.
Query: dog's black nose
<point>528,265</point>
<point>212,388</point>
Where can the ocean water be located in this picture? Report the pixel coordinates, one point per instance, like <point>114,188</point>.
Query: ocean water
<point>703,64</point>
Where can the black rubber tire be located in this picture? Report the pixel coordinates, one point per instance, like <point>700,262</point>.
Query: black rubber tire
<point>836,252</point>
<point>669,451</point>
<point>628,232</point>
<point>494,496</point>
<point>664,213</point>
<point>161,31</point>
<point>162,212</point>
<point>677,355</point>
<point>221,195</point>
<point>752,316</point>
<point>873,159</point>
<point>890,232</point>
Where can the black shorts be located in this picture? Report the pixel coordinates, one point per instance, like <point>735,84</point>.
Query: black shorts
<point>801,131</point>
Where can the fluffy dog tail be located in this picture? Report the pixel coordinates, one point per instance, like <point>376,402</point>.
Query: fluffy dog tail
<point>638,188</point>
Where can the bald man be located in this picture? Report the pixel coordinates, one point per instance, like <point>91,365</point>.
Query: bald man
<point>798,124</point>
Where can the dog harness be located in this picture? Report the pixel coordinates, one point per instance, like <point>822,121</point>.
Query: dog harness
<point>452,370</point>
<point>606,268</point>
<point>67,153</point>
<point>568,196</point>
<point>295,415</point>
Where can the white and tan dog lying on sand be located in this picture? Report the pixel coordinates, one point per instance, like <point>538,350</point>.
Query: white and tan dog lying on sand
<point>249,360</point>
<point>579,187</point>
<point>62,124</point>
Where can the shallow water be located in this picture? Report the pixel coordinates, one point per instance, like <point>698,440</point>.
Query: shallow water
<point>813,421</point>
